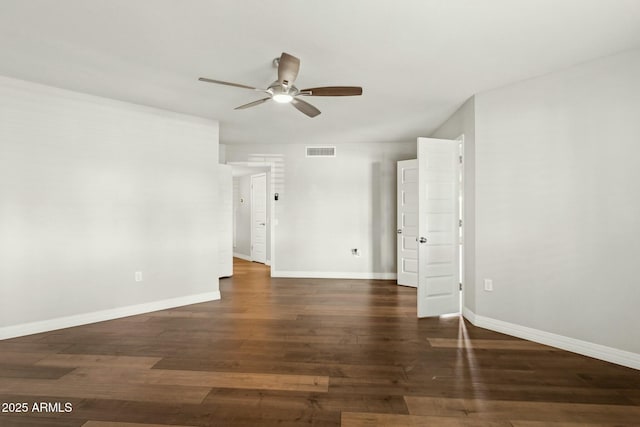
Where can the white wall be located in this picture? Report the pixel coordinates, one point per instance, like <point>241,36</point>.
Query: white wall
<point>93,190</point>
<point>243,216</point>
<point>225,219</point>
<point>222,158</point>
<point>328,206</point>
<point>462,122</point>
<point>558,202</point>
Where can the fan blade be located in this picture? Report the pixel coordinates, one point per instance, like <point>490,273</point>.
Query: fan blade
<point>305,107</point>
<point>288,68</point>
<point>252,104</point>
<point>332,91</point>
<point>220,82</point>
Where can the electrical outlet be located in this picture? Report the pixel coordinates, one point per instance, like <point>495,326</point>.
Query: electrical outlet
<point>488,285</point>
<point>138,276</point>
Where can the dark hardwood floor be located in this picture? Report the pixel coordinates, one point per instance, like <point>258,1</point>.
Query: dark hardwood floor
<point>292,352</point>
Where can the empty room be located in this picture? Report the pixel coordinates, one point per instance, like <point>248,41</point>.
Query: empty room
<point>334,213</point>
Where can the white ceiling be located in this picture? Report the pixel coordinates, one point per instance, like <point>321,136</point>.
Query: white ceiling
<point>417,60</point>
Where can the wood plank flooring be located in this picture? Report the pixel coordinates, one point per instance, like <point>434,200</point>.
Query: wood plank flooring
<point>293,352</point>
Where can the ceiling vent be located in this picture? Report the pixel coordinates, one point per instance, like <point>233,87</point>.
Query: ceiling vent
<point>326,151</point>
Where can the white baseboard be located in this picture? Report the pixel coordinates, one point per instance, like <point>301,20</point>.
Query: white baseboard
<point>242,256</point>
<point>334,275</point>
<point>268,262</point>
<point>469,315</point>
<point>100,316</point>
<point>597,351</point>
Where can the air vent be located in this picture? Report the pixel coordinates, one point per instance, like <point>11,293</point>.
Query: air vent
<point>327,151</point>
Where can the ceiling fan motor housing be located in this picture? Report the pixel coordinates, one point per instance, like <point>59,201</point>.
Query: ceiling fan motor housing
<point>277,88</point>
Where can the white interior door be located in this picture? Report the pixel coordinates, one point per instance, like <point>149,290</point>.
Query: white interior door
<point>438,254</point>
<point>259,218</point>
<point>407,222</point>
<point>225,218</point>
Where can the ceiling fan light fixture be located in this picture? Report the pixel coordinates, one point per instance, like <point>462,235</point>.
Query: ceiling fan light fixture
<point>282,98</point>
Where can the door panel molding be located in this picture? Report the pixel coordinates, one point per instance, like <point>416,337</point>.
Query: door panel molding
<point>407,223</point>
<point>438,227</point>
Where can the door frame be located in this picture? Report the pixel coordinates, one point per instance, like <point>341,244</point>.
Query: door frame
<point>272,206</point>
<point>463,282</point>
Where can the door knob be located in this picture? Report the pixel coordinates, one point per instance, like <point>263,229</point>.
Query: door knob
<point>423,240</point>
<point>399,231</point>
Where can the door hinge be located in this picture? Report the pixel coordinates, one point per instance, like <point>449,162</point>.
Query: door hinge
<point>460,157</point>
<point>460,286</point>
<point>459,223</point>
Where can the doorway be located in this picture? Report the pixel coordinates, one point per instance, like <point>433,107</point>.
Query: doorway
<point>258,225</point>
<point>253,211</point>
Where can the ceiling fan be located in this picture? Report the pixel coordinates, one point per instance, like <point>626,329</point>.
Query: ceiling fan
<point>284,91</point>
